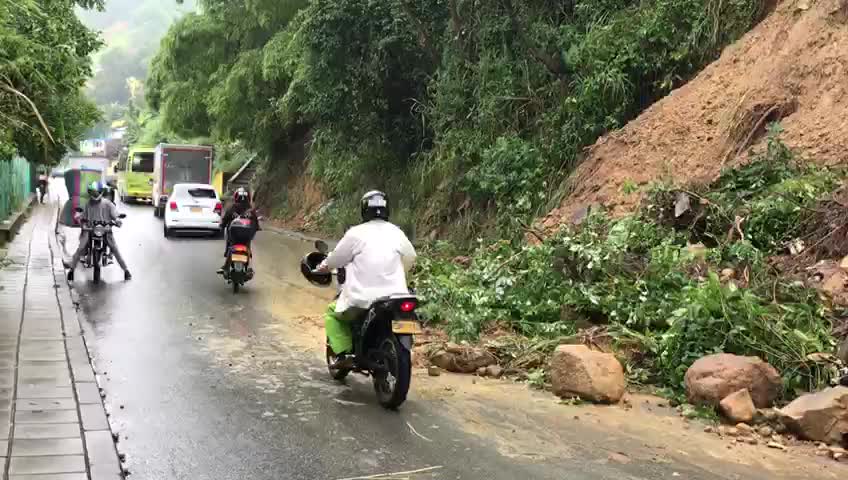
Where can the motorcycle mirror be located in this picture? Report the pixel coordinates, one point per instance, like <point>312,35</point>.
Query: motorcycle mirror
<point>322,246</point>
<point>123,215</point>
<point>78,210</point>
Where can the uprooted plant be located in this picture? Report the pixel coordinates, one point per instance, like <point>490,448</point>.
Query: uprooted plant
<point>664,301</point>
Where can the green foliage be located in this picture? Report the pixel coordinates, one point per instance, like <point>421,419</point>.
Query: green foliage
<point>132,30</point>
<point>657,295</point>
<point>44,63</point>
<point>449,102</point>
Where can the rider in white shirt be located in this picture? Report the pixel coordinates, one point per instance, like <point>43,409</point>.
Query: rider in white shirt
<point>376,256</point>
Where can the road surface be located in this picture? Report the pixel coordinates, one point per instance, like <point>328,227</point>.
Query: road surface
<point>206,384</point>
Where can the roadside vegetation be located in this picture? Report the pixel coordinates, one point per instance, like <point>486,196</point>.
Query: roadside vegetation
<point>469,114</point>
<point>662,290</point>
<point>44,63</point>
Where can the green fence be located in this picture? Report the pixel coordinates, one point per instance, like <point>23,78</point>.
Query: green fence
<point>15,185</point>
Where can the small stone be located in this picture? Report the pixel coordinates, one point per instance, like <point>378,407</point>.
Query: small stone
<point>732,432</point>
<point>839,457</point>
<point>434,371</point>
<point>823,453</point>
<point>728,273</point>
<point>779,428</point>
<point>844,263</point>
<point>481,372</point>
<point>744,429</point>
<point>765,431</point>
<point>836,451</point>
<point>751,441</point>
<point>494,371</point>
<point>738,406</point>
<point>709,429</point>
<point>775,445</point>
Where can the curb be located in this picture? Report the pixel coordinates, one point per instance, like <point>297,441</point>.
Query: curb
<point>73,326</point>
<point>297,235</point>
<point>15,221</point>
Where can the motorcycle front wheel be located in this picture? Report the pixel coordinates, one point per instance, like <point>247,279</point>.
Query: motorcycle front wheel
<point>392,385</point>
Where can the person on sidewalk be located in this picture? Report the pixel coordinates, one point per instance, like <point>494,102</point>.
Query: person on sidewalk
<point>101,210</point>
<point>376,255</point>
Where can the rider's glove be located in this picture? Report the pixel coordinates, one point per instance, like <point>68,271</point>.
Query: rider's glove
<point>323,268</point>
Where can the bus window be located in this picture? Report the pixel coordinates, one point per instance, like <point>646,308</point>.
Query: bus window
<point>142,163</point>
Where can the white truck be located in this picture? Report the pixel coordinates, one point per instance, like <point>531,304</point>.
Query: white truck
<point>173,164</point>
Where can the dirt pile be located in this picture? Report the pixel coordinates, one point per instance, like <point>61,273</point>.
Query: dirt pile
<point>792,67</point>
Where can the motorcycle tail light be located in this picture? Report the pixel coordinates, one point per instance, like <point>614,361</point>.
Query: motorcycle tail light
<point>407,306</point>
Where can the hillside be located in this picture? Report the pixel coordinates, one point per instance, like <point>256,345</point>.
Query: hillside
<point>792,67</point>
<point>131,31</point>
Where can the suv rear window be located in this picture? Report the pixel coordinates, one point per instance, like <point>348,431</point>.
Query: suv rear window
<point>201,193</point>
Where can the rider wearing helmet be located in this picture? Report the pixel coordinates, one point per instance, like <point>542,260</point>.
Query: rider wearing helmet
<point>241,207</point>
<point>102,210</point>
<point>376,255</point>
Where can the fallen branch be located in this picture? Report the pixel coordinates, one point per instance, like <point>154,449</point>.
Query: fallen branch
<point>389,475</point>
<point>9,88</point>
<point>416,432</point>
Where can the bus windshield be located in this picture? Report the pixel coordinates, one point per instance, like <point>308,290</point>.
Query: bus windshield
<point>143,162</point>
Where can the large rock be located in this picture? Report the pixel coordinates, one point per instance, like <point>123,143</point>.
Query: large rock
<point>821,416</point>
<point>462,359</point>
<point>578,371</point>
<point>738,406</point>
<point>710,379</point>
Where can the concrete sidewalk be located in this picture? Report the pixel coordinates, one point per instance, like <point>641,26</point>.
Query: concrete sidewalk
<point>50,402</point>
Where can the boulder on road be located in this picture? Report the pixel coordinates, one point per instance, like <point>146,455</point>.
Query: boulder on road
<point>461,358</point>
<point>738,406</point>
<point>821,416</point>
<point>712,378</point>
<point>575,370</point>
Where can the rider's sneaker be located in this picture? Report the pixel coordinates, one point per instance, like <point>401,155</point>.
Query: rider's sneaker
<point>127,275</point>
<point>70,275</point>
<point>220,271</point>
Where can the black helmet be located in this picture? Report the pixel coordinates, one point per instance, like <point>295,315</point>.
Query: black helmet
<point>241,197</point>
<point>95,191</point>
<point>308,266</point>
<point>374,204</point>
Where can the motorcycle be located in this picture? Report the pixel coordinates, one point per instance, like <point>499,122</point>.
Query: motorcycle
<point>238,271</point>
<point>98,253</point>
<point>382,337</point>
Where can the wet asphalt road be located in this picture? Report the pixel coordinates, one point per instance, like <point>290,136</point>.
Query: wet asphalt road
<point>203,385</point>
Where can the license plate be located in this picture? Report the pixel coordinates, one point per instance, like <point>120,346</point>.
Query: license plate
<point>196,210</point>
<point>406,327</point>
<point>239,258</point>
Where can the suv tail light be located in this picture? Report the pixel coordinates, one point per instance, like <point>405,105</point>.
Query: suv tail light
<point>173,206</point>
<point>219,208</point>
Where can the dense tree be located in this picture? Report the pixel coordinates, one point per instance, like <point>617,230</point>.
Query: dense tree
<point>442,102</point>
<point>44,63</point>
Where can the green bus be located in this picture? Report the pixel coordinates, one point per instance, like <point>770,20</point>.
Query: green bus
<point>135,178</point>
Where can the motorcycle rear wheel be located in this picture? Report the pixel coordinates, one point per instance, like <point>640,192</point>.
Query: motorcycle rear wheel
<point>392,386</point>
<point>96,278</point>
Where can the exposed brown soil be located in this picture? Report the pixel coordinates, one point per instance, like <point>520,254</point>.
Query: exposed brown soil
<point>793,67</point>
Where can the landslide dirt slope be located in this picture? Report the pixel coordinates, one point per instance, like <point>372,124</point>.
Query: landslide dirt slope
<point>792,67</point>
